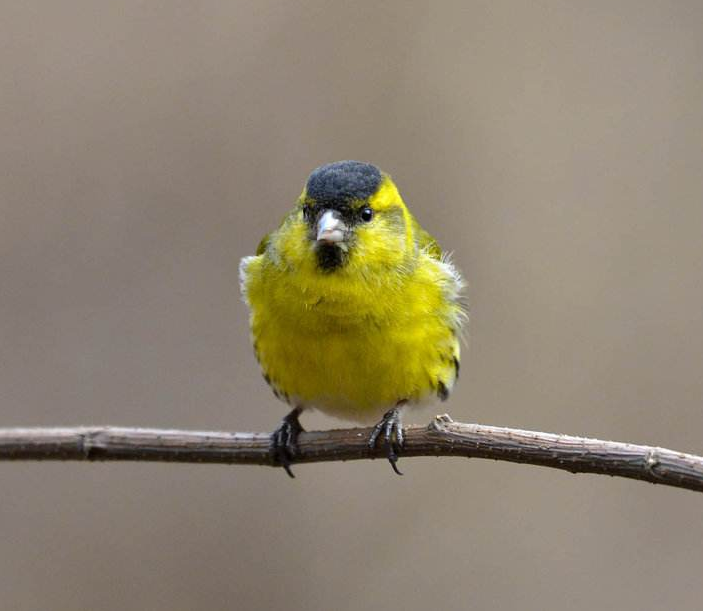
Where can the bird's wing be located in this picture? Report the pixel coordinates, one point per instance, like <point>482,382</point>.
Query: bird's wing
<point>265,241</point>
<point>261,248</point>
<point>425,241</point>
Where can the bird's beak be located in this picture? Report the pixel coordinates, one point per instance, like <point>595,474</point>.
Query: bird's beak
<point>331,228</point>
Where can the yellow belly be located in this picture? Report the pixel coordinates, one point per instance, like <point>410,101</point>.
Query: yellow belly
<point>358,373</point>
<point>354,354</point>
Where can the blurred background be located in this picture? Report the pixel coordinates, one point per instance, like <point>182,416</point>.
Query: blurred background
<point>555,147</point>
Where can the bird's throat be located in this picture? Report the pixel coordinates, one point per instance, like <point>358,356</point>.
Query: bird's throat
<point>330,256</point>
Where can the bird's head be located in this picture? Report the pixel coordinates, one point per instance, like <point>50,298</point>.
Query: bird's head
<point>350,217</point>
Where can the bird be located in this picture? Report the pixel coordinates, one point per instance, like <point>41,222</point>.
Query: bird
<point>355,310</point>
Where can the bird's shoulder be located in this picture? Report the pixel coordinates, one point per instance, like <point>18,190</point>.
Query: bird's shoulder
<point>425,241</point>
<point>263,244</point>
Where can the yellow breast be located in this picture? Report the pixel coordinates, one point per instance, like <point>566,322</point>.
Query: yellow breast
<point>355,347</point>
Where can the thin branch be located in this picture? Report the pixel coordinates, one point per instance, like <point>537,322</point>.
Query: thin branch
<point>442,437</point>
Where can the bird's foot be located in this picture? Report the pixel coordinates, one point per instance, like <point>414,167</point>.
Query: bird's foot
<point>392,428</point>
<point>284,441</point>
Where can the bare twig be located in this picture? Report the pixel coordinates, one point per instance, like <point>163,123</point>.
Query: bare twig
<point>442,437</point>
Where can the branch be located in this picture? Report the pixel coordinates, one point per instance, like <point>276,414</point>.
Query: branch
<point>442,437</point>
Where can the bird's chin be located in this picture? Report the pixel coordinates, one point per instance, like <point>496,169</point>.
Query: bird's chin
<point>330,255</point>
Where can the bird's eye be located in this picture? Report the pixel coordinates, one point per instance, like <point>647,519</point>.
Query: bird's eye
<point>366,214</point>
<point>307,212</point>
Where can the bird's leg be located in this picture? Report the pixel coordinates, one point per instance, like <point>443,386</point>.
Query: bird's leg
<point>392,428</point>
<point>284,440</point>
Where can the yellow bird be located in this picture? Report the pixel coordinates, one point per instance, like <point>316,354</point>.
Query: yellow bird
<point>355,310</point>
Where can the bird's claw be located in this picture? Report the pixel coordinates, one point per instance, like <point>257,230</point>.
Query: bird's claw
<point>284,441</point>
<point>392,429</point>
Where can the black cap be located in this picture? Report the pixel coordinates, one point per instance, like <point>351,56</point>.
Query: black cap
<point>343,181</point>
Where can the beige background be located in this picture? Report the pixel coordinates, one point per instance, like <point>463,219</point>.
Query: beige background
<point>555,147</point>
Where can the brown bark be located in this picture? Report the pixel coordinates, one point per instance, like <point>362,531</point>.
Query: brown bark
<point>442,437</point>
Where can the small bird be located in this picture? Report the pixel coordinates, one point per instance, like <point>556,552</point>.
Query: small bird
<point>355,310</point>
